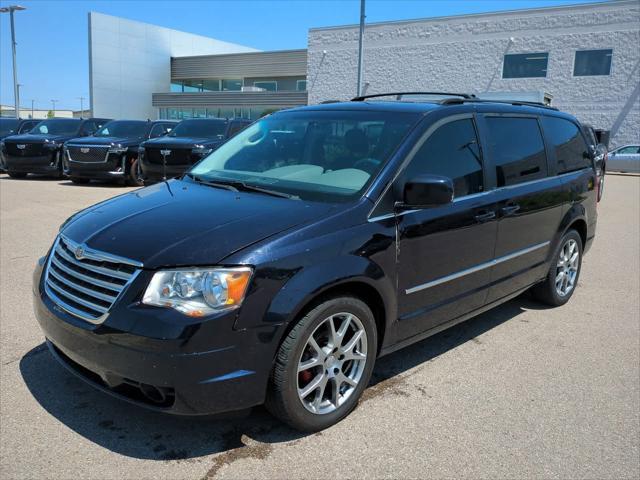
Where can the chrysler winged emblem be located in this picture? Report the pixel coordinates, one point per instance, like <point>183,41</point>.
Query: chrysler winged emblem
<point>165,152</point>
<point>84,150</point>
<point>21,146</point>
<point>79,253</point>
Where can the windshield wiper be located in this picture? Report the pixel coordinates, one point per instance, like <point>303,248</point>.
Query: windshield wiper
<point>237,185</point>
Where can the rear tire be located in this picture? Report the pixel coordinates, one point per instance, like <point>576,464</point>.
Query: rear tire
<point>562,279</point>
<point>333,366</point>
<point>133,179</point>
<point>80,181</point>
<point>17,174</point>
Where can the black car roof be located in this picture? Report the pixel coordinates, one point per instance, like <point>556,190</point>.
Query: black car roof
<point>456,105</point>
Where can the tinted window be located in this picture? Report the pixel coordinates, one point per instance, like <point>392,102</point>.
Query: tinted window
<point>315,155</point>
<point>28,125</point>
<point>160,129</point>
<point>57,127</point>
<point>8,126</point>
<point>236,127</point>
<point>524,65</point>
<point>592,62</point>
<point>199,129</point>
<point>517,148</point>
<point>628,150</point>
<point>123,128</point>
<point>569,144</point>
<point>452,151</point>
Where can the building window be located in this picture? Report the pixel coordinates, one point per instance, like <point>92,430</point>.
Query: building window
<point>232,85</point>
<point>176,87</point>
<point>525,65</point>
<point>592,62</point>
<point>270,86</point>
<point>301,85</point>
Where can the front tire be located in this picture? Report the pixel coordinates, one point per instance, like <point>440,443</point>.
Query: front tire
<point>324,365</point>
<point>562,279</point>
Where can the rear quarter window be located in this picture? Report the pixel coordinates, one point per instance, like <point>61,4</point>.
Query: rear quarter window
<point>517,149</point>
<point>572,152</point>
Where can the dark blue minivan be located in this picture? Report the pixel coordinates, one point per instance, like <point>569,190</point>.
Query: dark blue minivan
<point>314,241</point>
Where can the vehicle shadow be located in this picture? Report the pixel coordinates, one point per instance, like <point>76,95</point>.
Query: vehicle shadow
<point>136,432</point>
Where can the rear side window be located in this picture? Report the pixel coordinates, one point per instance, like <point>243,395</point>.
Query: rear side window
<point>451,151</point>
<point>518,149</point>
<point>570,146</point>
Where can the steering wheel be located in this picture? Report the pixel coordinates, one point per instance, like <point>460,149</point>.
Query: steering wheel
<point>368,165</point>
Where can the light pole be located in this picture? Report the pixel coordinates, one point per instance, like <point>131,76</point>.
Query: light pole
<point>16,93</point>
<point>360,38</point>
<point>53,102</point>
<point>32,107</point>
<point>81,105</point>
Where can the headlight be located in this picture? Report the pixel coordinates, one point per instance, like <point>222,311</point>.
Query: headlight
<point>118,150</point>
<point>200,150</point>
<point>198,292</point>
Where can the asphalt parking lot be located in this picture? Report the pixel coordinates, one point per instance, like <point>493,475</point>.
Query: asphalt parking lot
<point>518,392</point>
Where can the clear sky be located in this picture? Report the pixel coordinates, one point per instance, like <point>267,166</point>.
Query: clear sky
<point>53,45</point>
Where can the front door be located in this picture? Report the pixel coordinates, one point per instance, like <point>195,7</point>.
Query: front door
<point>445,253</point>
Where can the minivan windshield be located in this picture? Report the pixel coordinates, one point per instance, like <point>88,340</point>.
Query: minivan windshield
<point>199,129</point>
<point>329,156</point>
<point>8,126</point>
<point>123,128</point>
<point>63,126</point>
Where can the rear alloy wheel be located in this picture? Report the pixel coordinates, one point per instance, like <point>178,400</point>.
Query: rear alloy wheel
<point>324,365</point>
<point>562,279</point>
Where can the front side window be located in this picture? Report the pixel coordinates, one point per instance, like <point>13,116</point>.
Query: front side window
<point>451,151</point>
<point>572,152</point>
<point>199,129</point>
<point>525,65</point>
<point>592,62</point>
<point>57,127</point>
<point>329,156</point>
<point>628,150</point>
<point>517,149</point>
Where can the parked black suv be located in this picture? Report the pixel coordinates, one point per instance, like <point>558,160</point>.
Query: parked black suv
<point>314,241</point>
<point>188,143</point>
<point>13,126</point>
<point>111,152</point>
<point>40,150</point>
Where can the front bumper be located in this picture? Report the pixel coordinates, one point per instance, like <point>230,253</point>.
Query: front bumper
<point>114,167</point>
<point>156,361</point>
<point>46,163</point>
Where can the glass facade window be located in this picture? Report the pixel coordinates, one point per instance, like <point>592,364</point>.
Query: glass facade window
<point>231,85</point>
<point>270,86</point>
<point>592,62</point>
<point>301,85</point>
<point>180,113</point>
<point>525,65</point>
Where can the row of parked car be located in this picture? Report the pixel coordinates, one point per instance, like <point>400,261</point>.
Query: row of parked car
<point>134,152</point>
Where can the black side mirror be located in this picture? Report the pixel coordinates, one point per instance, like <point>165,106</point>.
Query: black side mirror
<point>426,191</point>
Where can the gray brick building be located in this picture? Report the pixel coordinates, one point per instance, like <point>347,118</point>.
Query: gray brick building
<point>586,56</point>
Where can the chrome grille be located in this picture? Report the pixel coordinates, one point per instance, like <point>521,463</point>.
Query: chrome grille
<point>28,149</point>
<point>86,282</point>
<point>87,154</point>
<point>177,156</point>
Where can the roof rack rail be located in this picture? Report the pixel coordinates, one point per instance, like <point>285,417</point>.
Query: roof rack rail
<point>399,95</point>
<point>455,101</point>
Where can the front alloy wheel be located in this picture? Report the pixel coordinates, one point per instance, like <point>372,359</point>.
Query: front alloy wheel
<point>332,363</point>
<point>324,364</point>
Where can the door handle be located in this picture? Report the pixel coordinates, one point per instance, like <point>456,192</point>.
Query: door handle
<point>509,210</point>
<point>485,216</point>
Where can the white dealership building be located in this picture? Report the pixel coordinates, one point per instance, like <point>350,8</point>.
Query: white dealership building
<point>585,57</point>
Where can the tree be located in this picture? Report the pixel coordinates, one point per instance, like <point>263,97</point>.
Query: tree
<point>50,114</point>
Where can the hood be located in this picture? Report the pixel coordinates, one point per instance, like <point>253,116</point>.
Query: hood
<point>180,142</point>
<point>106,141</point>
<point>182,223</point>
<point>37,138</point>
